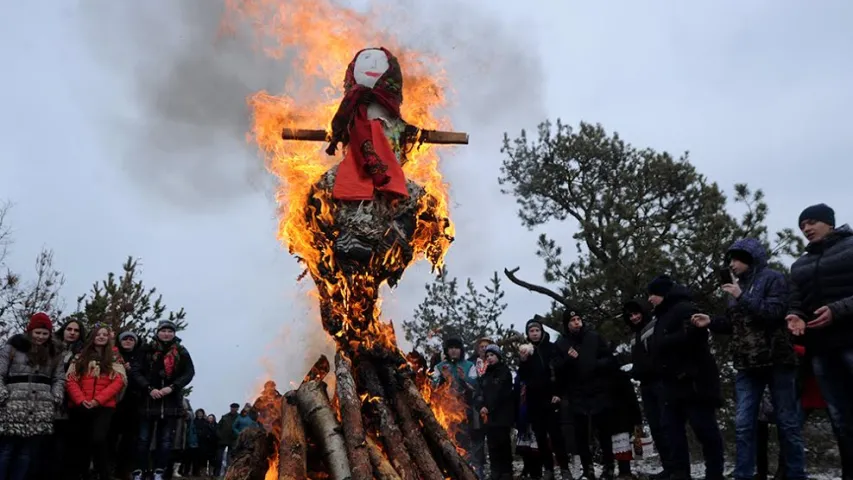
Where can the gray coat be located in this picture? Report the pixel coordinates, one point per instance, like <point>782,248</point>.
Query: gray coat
<point>29,395</point>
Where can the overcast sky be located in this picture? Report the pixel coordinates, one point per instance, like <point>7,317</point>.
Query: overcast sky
<point>122,129</point>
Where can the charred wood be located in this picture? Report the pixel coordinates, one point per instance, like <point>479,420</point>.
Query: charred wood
<point>354,435</point>
<point>382,469</point>
<point>292,451</point>
<point>251,455</point>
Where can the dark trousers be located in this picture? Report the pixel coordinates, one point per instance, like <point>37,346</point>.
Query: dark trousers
<point>55,447</point>
<point>500,452</point>
<point>124,432</point>
<point>165,429</point>
<point>532,463</point>
<point>585,427</point>
<point>217,460</point>
<point>547,429</point>
<point>477,454</point>
<point>91,430</point>
<point>653,406</point>
<point>703,420</point>
<point>16,456</point>
<point>834,374</point>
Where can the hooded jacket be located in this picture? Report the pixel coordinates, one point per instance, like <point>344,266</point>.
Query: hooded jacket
<point>587,379</point>
<point>538,372</point>
<point>824,277</point>
<point>756,320</point>
<point>688,369</point>
<point>643,365</point>
<point>457,370</point>
<point>495,392</point>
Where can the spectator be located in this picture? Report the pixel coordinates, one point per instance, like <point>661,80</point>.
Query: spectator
<point>95,380</point>
<point>588,373</point>
<point>763,355</point>
<point>70,335</point>
<point>821,310</point>
<point>248,419</point>
<point>477,429</point>
<point>454,370</point>
<point>163,370</point>
<point>124,428</point>
<point>626,419</point>
<point>205,436</point>
<point>690,377</point>
<point>646,369</point>
<point>226,438</point>
<point>32,385</point>
<point>209,446</point>
<point>495,404</point>
<point>537,371</point>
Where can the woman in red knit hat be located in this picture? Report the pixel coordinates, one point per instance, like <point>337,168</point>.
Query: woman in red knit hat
<point>32,385</point>
<point>95,380</point>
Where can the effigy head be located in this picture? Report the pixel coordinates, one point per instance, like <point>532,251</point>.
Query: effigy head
<point>375,68</point>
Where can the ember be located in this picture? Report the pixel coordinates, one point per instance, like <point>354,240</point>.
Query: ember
<point>354,224</point>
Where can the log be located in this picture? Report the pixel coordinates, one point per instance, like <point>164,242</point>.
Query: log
<point>251,455</point>
<point>435,433</point>
<point>350,408</point>
<point>414,135</point>
<point>292,450</point>
<point>319,370</point>
<point>315,409</point>
<point>391,435</point>
<point>415,443</point>
<point>382,469</point>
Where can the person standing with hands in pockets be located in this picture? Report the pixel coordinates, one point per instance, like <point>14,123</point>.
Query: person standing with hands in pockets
<point>821,313</point>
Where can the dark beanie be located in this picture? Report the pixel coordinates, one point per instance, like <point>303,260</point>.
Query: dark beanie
<point>819,213</point>
<point>536,321</point>
<point>661,285</point>
<point>454,342</point>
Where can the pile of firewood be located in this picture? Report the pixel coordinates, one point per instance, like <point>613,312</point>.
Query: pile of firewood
<point>378,426</point>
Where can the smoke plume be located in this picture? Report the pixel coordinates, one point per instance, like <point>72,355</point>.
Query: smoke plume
<point>184,136</point>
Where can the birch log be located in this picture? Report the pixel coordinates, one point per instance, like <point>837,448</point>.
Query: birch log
<point>354,435</point>
<point>314,407</point>
<point>292,451</point>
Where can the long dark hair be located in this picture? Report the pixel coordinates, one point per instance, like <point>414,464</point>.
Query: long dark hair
<point>90,353</point>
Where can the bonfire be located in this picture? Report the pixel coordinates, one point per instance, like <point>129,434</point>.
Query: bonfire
<point>356,214</point>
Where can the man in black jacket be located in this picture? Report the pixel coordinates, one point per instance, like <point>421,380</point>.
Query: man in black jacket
<point>226,438</point>
<point>690,378</point>
<point>821,311</point>
<point>638,316</point>
<point>537,371</point>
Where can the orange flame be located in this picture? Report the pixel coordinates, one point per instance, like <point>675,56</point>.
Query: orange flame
<point>320,38</point>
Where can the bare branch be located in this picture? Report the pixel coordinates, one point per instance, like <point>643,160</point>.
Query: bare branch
<point>510,274</point>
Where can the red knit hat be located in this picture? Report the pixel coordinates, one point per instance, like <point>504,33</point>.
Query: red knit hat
<point>40,320</point>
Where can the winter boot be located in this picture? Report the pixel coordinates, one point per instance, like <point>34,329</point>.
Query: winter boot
<point>548,475</point>
<point>566,474</point>
<point>588,472</point>
<point>607,473</point>
<point>137,475</point>
<point>159,475</point>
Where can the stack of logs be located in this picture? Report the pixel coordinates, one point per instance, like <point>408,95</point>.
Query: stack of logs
<point>381,429</point>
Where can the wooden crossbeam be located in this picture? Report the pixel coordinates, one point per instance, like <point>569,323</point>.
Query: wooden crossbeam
<point>413,134</point>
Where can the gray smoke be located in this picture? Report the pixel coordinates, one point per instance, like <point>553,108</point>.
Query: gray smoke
<point>185,139</point>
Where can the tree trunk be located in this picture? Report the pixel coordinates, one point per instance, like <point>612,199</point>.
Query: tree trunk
<point>292,451</point>
<point>435,433</point>
<point>354,435</point>
<point>381,468</point>
<point>315,409</point>
<point>251,455</point>
<point>388,429</point>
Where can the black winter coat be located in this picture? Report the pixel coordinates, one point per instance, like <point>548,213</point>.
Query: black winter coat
<point>644,367</point>
<point>824,277</point>
<point>149,373</point>
<point>688,369</point>
<point>626,413</point>
<point>538,373</point>
<point>495,392</point>
<point>587,379</point>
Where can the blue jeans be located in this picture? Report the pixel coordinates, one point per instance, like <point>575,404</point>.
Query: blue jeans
<point>834,373</point>
<point>15,456</point>
<point>163,447</point>
<point>749,388</point>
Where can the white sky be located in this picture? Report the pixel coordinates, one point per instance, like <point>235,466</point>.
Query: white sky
<point>757,91</point>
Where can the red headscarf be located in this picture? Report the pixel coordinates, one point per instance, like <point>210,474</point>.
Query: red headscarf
<point>370,164</point>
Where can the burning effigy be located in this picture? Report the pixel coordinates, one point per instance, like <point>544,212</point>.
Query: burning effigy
<point>355,222</point>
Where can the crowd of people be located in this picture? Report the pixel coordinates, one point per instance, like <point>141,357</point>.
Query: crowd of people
<point>74,405</point>
<point>792,342</point>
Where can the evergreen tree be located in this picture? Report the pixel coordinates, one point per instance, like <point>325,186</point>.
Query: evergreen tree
<point>125,304</point>
<point>467,313</point>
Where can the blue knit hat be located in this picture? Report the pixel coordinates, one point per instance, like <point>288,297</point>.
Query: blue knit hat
<point>492,348</point>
